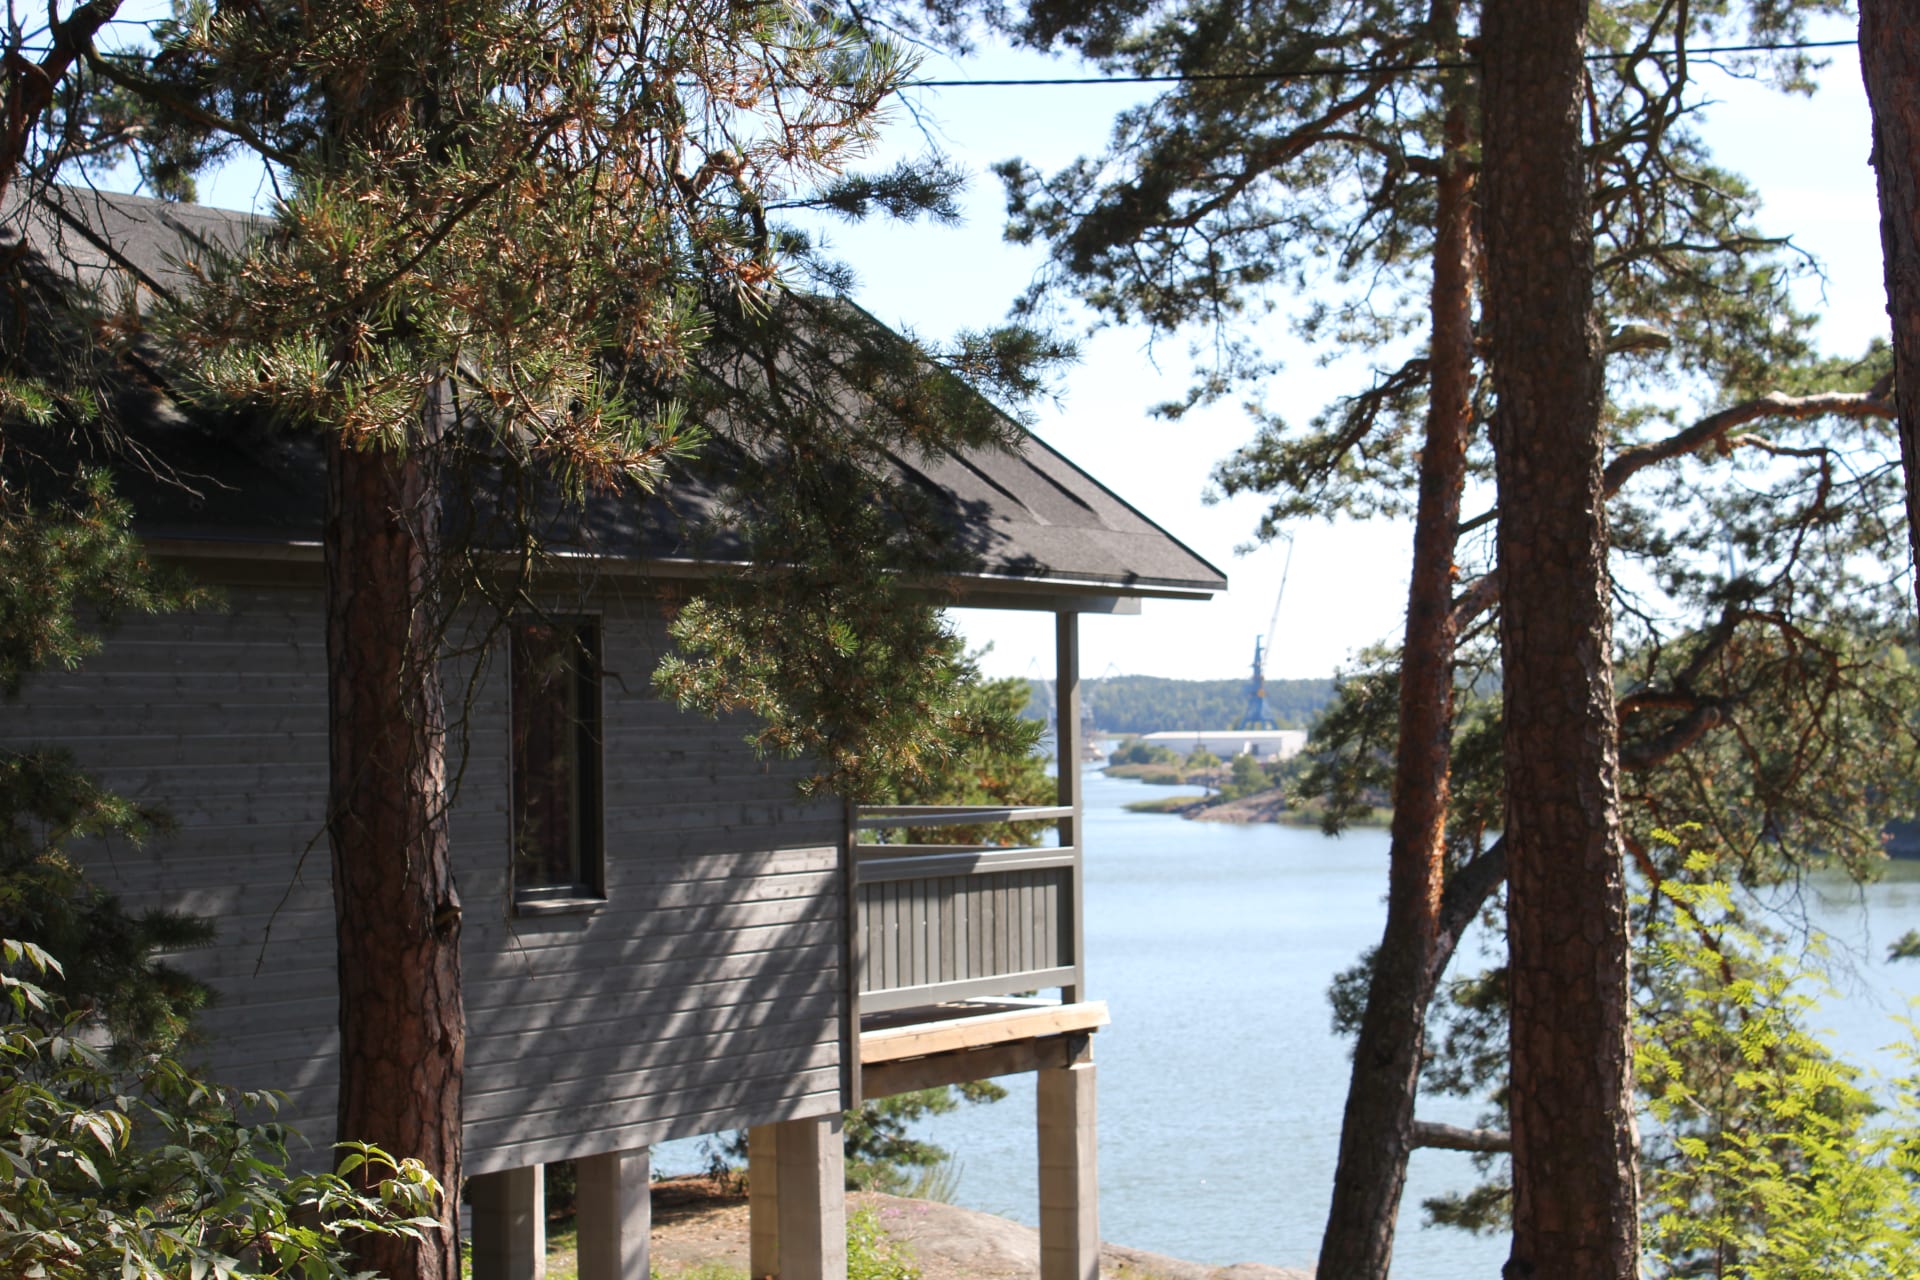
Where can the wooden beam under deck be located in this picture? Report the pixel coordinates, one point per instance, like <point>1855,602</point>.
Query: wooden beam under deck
<point>884,1079</point>
<point>976,1040</point>
<point>995,1022</point>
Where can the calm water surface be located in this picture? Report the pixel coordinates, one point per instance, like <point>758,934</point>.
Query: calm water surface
<point>1220,1082</point>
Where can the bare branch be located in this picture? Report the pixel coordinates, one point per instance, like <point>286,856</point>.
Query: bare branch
<point>29,85</point>
<point>1468,890</point>
<point>1480,595</point>
<point>1448,1137</point>
<point>153,92</point>
<point>1706,713</point>
<point>1716,428</point>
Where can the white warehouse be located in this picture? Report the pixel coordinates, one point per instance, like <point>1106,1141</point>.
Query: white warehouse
<point>1261,744</point>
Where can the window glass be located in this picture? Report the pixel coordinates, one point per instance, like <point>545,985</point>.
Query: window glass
<point>556,757</point>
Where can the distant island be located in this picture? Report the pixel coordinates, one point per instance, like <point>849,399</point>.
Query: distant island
<point>1175,733</point>
<point>1130,706</point>
<point>1250,786</point>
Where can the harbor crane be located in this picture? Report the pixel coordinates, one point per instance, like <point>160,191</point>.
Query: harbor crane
<point>1257,715</point>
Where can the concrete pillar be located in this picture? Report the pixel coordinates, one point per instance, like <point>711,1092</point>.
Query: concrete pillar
<point>614,1214</point>
<point>509,1224</point>
<point>763,1201</point>
<point>797,1200</point>
<point>1069,1181</point>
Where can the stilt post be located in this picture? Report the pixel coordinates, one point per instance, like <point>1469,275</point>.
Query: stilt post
<point>797,1200</point>
<point>614,1214</point>
<point>509,1224</point>
<point>1069,1180</point>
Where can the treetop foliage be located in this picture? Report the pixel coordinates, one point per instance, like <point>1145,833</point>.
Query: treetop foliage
<point>1222,202</point>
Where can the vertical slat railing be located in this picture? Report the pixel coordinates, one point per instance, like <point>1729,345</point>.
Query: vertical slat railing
<point>951,921</point>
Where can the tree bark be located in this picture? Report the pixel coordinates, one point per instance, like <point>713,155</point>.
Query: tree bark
<point>1377,1129</point>
<point>30,86</point>
<point>1890,64</point>
<point>402,1033</point>
<point>1575,1209</point>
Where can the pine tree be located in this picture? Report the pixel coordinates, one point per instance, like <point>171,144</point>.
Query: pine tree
<point>1890,64</point>
<point>504,236</point>
<point>1324,150</point>
<point>1575,1158</point>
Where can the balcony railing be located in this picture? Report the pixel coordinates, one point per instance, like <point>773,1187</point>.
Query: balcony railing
<point>938,922</point>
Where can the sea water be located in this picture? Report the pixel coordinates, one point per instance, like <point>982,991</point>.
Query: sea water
<point>1221,1082</point>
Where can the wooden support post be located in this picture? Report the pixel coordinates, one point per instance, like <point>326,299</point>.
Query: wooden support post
<point>1066,735</point>
<point>797,1200</point>
<point>1069,1182</point>
<point>509,1224</point>
<point>615,1214</point>
<point>854,967</point>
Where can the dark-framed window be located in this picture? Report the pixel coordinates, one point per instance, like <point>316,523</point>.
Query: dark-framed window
<point>555,677</point>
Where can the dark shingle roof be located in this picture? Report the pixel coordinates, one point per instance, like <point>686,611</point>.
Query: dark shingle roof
<point>1032,521</point>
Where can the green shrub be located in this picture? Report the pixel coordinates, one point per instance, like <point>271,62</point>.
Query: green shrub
<point>141,1171</point>
<point>1767,1157</point>
<point>874,1255</point>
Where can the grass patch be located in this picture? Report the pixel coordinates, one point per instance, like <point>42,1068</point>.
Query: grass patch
<point>1163,804</point>
<point>698,1271</point>
<point>1159,775</point>
<point>563,1251</point>
<point>1309,815</point>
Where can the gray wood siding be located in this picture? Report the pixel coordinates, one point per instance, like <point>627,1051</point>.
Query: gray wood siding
<point>917,933</point>
<point>706,992</point>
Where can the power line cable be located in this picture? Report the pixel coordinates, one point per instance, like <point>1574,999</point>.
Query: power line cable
<point>1351,68</point>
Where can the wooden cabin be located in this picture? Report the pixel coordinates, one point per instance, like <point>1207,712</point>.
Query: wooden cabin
<point>687,946</point>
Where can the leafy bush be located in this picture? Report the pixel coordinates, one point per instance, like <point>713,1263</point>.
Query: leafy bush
<point>143,1171</point>
<point>872,1254</point>
<point>1764,1156</point>
<point>1140,751</point>
<point>1767,1158</point>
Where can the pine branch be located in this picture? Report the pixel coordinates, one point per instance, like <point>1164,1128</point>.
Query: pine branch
<point>1714,429</point>
<point>30,85</point>
<point>152,91</point>
<point>1447,1137</point>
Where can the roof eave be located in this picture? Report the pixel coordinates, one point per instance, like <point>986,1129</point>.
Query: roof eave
<point>982,590</point>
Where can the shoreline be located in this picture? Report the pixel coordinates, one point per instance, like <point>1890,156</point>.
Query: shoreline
<point>1260,807</point>
<point>700,1227</point>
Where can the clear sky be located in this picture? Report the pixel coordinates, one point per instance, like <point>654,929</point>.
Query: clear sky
<point>1347,585</point>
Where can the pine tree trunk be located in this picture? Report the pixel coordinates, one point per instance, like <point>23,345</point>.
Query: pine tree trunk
<point>1575,1211</point>
<point>402,1034</point>
<point>1376,1133</point>
<point>1890,64</point>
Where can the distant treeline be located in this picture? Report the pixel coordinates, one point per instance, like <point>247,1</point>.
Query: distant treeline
<point>1151,704</point>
